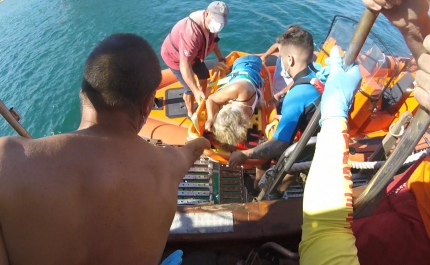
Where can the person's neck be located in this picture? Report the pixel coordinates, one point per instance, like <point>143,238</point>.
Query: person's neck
<point>297,69</point>
<point>109,121</point>
<point>205,25</point>
<point>200,18</point>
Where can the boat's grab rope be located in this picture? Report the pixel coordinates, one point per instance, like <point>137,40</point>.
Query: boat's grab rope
<point>268,177</point>
<point>362,165</point>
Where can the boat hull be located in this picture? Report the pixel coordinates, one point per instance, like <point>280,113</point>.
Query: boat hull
<point>241,221</point>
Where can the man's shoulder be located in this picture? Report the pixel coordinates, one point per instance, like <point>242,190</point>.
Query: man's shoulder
<point>308,87</point>
<point>161,152</point>
<point>188,23</point>
<point>11,143</point>
<point>13,154</point>
<point>192,25</point>
<point>16,147</point>
<point>168,152</point>
<point>197,16</point>
<point>180,24</point>
<point>304,84</point>
<point>303,91</point>
<point>305,80</point>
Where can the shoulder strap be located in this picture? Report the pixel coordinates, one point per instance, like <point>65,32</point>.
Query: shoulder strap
<point>204,37</point>
<point>305,81</point>
<point>302,81</point>
<point>171,42</point>
<point>198,26</point>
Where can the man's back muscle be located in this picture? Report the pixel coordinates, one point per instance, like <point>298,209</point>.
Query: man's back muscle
<point>79,198</point>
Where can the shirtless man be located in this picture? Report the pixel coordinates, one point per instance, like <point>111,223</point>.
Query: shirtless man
<point>101,194</point>
<point>410,17</point>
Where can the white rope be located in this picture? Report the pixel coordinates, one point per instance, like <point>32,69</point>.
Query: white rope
<point>362,165</point>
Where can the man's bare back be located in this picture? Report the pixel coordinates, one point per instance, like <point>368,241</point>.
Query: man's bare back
<point>82,199</point>
<point>102,194</point>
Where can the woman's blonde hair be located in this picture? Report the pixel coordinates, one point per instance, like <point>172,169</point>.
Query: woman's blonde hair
<point>231,125</point>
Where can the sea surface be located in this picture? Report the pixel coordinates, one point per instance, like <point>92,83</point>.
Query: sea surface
<point>44,44</point>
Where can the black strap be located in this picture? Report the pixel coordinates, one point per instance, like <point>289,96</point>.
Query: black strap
<point>301,81</point>
<point>171,42</point>
<point>204,37</point>
<point>198,26</point>
<point>304,80</point>
<point>255,92</point>
<point>305,72</point>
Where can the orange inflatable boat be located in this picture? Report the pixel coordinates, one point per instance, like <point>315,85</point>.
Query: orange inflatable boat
<point>385,93</point>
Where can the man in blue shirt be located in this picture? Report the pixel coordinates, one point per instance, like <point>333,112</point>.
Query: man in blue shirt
<point>281,79</point>
<point>296,49</point>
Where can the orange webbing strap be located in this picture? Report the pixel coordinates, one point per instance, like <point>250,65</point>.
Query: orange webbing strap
<point>327,206</point>
<point>199,117</point>
<point>220,69</point>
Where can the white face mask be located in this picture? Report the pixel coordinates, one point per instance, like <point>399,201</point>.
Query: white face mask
<point>215,27</point>
<point>284,72</point>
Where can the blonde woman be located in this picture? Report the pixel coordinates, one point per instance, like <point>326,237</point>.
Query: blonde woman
<point>231,107</point>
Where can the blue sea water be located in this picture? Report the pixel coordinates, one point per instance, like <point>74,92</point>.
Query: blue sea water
<point>44,44</point>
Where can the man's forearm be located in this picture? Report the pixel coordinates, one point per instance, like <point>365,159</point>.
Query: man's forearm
<point>271,50</point>
<point>217,51</point>
<point>415,32</point>
<point>188,75</point>
<point>414,39</point>
<point>267,150</point>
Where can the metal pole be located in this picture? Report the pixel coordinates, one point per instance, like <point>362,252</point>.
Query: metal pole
<point>4,111</point>
<point>369,199</point>
<point>360,35</point>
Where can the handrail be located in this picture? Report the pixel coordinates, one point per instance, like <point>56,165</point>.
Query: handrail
<point>4,111</point>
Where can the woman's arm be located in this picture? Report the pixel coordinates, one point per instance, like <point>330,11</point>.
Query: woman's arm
<point>218,53</point>
<point>218,99</point>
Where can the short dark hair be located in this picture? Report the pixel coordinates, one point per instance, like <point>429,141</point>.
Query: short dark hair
<point>296,36</point>
<point>121,72</point>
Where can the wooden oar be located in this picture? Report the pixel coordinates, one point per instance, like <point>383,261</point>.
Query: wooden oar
<point>4,111</point>
<point>360,35</point>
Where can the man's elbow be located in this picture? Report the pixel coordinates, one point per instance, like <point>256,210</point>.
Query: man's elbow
<point>184,64</point>
<point>279,147</point>
<point>274,148</point>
